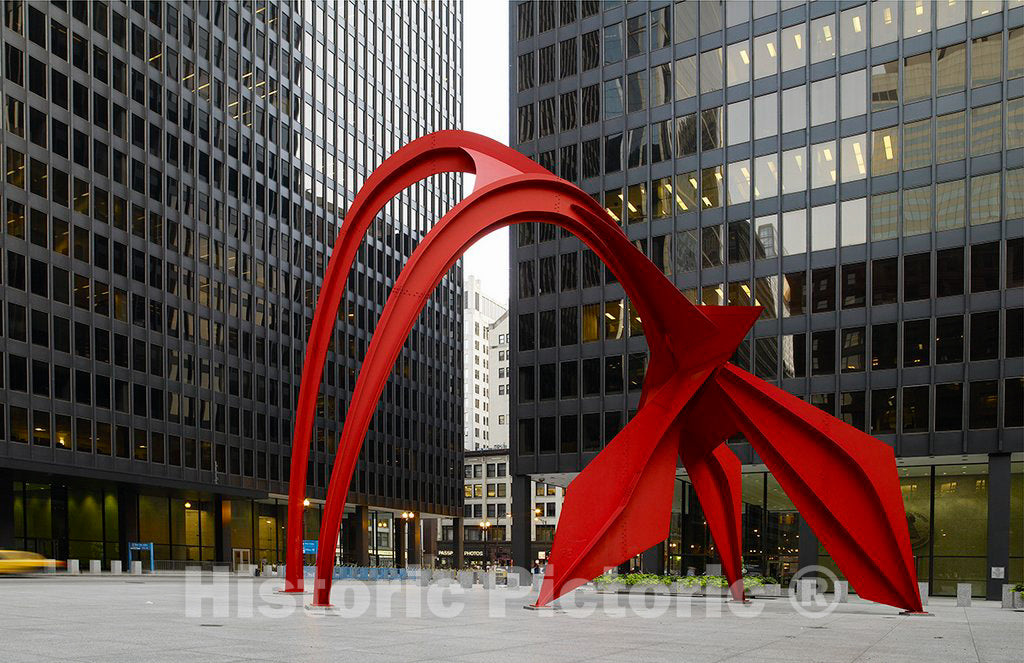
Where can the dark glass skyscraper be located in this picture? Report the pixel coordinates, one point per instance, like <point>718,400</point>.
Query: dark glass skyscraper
<point>174,176</point>
<point>853,167</point>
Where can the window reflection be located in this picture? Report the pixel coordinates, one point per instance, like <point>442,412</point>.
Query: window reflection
<point>884,215</point>
<point>794,174</point>
<point>637,203</point>
<point>883,21</point>
<point>823,227</point>
<point>949,205</point>
<point>917,210</point>
<point>854,222</point>
<point>738,63</point>
<point>613,204</point>
<point>854,158</point>
<point>711,246</point>
<point>766,237</point>
<point>794,232</point>
<point>853,94</point>
<point>793,47</point>
<point>739,182</point>
<point>823,164</point>
<point>661,190</point>
<point>823,42</point>
<point>711,187</point>
<point>686,77</point>
<point>884,85</point>
<point>917,17</point>
<point>686,192</point>
<point>853,26</point>
<point>794,108</point>
<point>765,54</point>
<point>823,101</point>
<point>917,77</point>
<point>738,117</point>
<point>710,70</point>
<point>949,12</point>
<point>917,144</point>
<point>766,115</point>
<point>884,151</point>
<point>986,59</point>
<point>950,68</point>
<point>766,176</point>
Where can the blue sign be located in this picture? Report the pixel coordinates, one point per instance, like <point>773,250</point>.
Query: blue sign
<point>135,545</point>
<point>309,546</point>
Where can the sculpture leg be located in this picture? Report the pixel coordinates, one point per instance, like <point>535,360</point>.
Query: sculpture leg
<point>843,481</point>
<point>717,480</point>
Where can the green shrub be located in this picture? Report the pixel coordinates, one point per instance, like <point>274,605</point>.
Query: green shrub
<point>653,579</point>
<point>1019,587</point>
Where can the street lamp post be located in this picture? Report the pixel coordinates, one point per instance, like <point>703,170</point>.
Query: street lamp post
<point>407,518</point>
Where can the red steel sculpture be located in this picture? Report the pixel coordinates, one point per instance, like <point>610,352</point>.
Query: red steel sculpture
<point>842,481</point>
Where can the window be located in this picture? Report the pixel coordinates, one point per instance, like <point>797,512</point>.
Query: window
<point>986,59</point>
<point>949,339</point>
<point>884,275</point>
<point>948,407</point>
<point>884,89</point>
<point>916,343</point>
<point>983,404</point>
<point>917,270</point>
<point>854,345</point>
<point>883,346</point>
<point>883,411</point>
<point>916,418</point>
<point>984,335</point>
<point>950,68</point>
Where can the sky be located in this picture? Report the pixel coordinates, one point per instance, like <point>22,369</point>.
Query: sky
<point>485,111</point>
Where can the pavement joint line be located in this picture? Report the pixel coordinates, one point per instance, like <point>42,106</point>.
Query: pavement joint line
<point>970,629</point>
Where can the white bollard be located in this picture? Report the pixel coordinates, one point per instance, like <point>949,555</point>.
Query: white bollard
<point>842,591</point>
<point>73,567</point>
<point>806,589</point>
<point>488,579</point>
<point>136,567</point>
<point>1007,596</point>
<point>536,581</point>
<point>115,566</point>
<point>513,579</point>
<point>963,595</point>
<point>95,566</point>
<point>466,578</point>
<point>922,587</point>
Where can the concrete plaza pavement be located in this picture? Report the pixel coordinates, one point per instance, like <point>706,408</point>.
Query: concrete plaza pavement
<point>158,618</point>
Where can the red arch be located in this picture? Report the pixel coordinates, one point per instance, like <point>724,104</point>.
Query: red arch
<point>619,505</point>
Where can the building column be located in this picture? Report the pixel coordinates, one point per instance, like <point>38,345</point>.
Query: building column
<point>222,530</point>
<point>414,542</point>
<point>458,544</point>
<point>998,524</point>
<point>522,521</point>
<point>357,538</point>
<point>653,559</point>
<point>429,542</point>
<point>400,539</point>
<point>59,519</point>
<point>808,546</point>
<point>127,518</point>
<point>6,511</point>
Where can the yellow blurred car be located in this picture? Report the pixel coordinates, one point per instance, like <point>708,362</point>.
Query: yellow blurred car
<point>20,561</point>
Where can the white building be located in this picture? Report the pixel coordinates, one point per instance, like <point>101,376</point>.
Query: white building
<point>498,383</point>
<point>480,312</point>
<point>486,522</point>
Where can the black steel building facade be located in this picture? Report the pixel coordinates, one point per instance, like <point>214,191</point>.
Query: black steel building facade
<point>175,174</point>
<point>856,168</point>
